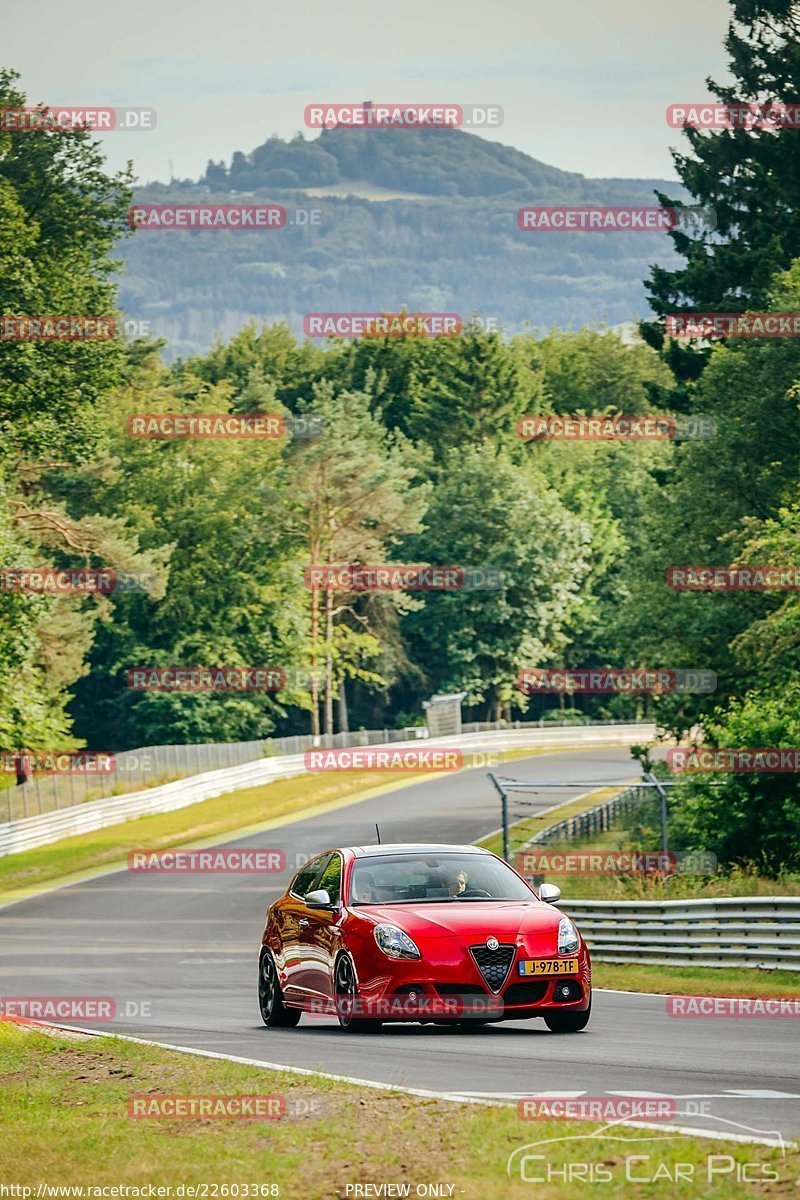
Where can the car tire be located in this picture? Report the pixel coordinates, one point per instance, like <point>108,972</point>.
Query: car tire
<point>568,1022</point>
<point>274,1012</point>
<point>345,990</point>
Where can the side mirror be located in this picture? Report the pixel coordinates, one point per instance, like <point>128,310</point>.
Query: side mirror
<point>321,899</point>
<point>548,892</point>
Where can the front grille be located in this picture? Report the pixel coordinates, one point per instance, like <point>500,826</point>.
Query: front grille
<point>494,965</point>
<point>524,993</point>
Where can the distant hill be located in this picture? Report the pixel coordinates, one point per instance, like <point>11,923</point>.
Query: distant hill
<point>434,162</point>
<point>409,218</point>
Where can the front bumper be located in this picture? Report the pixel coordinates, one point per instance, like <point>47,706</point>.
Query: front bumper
<point>454,988</point>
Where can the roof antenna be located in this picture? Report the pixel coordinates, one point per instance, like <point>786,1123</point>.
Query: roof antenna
<point>378,833</point>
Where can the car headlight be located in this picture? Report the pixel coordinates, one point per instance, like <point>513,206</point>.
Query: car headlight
<point>568,940</point>
<point>395,943</point>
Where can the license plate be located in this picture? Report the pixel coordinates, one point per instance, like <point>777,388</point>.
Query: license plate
<point>548,966</point>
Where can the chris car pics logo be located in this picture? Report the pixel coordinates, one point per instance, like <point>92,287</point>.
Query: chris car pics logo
<point>645,1157</point>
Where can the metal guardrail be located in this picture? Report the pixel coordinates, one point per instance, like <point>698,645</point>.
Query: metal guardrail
<point>748,931</point>
<point>30,832</point>
<point>151,765</point>
<point>592,821</point>
<point>26,833</point>
<point>575,723</point>
<point>132,771</point>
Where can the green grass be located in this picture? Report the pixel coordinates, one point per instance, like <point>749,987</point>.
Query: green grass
<point>695,981</point>
<point>735,881</point>
<point>65,1106</point>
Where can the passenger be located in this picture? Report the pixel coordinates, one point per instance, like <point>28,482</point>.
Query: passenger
<point>364,888</point>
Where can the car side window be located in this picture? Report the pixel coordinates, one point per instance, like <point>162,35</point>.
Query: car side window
<point>331,878</point>
<point>304,880</point>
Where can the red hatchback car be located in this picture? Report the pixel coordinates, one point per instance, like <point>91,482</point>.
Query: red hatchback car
<point>422,933</point>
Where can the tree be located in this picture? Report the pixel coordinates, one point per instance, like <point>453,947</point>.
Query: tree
<point>226,563</point>
<point>748,817</point>
<point>60,215</point>
<point>468,388</point>
<point>488,514</point>
<point>769,647</point>
<point>357,491</point>
<point>749,177</point>
<point>704,510</point>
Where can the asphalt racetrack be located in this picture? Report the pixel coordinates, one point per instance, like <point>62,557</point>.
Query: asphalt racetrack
<point>177,953</point>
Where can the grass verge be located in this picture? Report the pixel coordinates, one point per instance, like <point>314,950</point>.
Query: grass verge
<point>731,882</point>
<point>65,1117</point>
<point>695,981</point>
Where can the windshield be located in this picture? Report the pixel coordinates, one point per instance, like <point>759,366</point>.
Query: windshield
<point>408,878</point>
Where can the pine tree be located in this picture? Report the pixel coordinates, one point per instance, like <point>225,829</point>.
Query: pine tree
<point>749,177</point>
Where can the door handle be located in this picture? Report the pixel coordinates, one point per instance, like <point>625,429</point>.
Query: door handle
<point>303,921</point>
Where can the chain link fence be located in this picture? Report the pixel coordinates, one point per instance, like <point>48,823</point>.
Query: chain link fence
<point>149,766</point>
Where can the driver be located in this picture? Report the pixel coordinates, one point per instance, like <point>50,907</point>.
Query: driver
<point>457,886</point>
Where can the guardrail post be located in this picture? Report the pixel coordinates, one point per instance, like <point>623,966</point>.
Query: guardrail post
<point>504,815</point>
<point>662,793</point>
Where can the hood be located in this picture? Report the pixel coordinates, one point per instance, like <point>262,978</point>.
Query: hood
<point>470,920</point>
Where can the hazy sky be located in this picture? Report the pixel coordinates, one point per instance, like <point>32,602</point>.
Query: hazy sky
<point>584,84</point>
